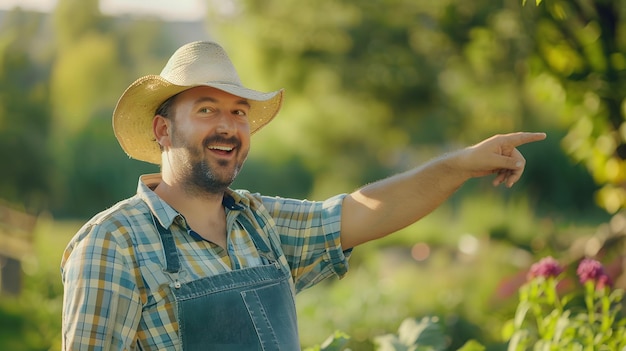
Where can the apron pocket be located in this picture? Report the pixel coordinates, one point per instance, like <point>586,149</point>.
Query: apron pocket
<point>272,311</point>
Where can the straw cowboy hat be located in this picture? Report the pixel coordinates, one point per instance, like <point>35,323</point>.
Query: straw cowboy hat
<point>194,64</point>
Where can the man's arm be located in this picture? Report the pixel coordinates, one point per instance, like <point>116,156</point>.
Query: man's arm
<point>393,203</point>
<point>101,303</point>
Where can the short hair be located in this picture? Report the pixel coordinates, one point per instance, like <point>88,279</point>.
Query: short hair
<point>165,110</point>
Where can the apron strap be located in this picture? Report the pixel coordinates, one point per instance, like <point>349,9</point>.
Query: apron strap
<point>268,252</point>
<point>169,246</point>
<point>256,238</point>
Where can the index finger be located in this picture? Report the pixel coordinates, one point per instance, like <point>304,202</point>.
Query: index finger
<point>521,138</point>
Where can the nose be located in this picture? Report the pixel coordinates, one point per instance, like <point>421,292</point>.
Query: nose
<point>226,125</point>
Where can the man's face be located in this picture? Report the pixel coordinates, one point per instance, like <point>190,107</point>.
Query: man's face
<point>209,138</point>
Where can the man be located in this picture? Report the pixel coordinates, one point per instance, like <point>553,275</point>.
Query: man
<point>189,264</point>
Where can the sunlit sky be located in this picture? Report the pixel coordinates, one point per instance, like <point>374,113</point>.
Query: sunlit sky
<point>176,10</point>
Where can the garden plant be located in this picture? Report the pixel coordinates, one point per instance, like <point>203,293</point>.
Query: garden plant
<point>552,314</point>
<point>588,318</point>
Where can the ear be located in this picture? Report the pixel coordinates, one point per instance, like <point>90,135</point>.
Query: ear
<point>161,130</point>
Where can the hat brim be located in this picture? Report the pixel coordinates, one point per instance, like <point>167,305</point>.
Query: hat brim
<point>135,110</point>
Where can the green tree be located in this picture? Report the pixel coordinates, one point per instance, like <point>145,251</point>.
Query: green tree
<point>581,45</point>
<point>95,57</point>
<point>24,112</point>
<point>74,19</point>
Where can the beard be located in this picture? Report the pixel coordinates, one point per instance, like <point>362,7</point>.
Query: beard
<point>202,177</point>
<point>197,174</point>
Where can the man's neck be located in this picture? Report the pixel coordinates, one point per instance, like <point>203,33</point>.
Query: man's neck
<point>203,212</point>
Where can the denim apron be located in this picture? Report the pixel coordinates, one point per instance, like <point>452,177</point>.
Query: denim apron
<point>243,309</point>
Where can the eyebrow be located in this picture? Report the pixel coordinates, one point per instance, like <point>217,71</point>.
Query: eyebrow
<point>243,102</point>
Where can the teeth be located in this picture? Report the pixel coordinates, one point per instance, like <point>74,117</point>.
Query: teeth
<point>222,148</point>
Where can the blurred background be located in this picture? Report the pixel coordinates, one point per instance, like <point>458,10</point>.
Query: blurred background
<point>372,88</point>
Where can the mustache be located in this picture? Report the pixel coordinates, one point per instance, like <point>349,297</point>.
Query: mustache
<point>218,139</point>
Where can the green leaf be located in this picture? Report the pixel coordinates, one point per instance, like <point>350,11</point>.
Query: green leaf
<point>508,329</point>
<point>426,332</point>
<point>518,341</point>
<point>520,314</point>
<point>561,326</point>
<point>472,345</point>
<point>390,342</point>
<point>335,342</point>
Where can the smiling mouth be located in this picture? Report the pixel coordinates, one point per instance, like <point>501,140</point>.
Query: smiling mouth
<point>221,148</point>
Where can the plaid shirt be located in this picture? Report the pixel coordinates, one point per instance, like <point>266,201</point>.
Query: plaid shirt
<point>117,295</point>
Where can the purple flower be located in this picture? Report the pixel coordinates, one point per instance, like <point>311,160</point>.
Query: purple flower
<point>546,267</point>
<point>593,270</point>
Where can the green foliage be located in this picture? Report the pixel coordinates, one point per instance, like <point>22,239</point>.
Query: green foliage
<point>579,43</point>
<point>546,321</point>
<point>74,19</point>
<point>24,114</point>
<point>59,85</point>
<point>416,73</point>
<point>472,345</point>
<point>425,334</point>
<point>467,277</point>
<point>369,93</point>
<point>32,320</point>
<point>413,335</point>
<point>286,178</point>
<point>90,171</point>
<point>543,319</point>
<point>334,342</point>
<point>86,80</point>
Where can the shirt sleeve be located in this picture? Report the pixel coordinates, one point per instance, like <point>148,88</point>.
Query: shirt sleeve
<point>101,303</point>
<point>310,238</point>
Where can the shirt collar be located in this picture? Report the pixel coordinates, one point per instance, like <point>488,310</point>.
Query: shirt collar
<point>165,214</point>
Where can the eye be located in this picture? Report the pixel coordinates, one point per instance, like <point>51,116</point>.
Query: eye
<point>240,113</point>
<point>206,110</point>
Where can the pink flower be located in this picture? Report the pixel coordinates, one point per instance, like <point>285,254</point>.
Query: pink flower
<point>546,267</point>
<point>604,281</point>
<point>592,270</point>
